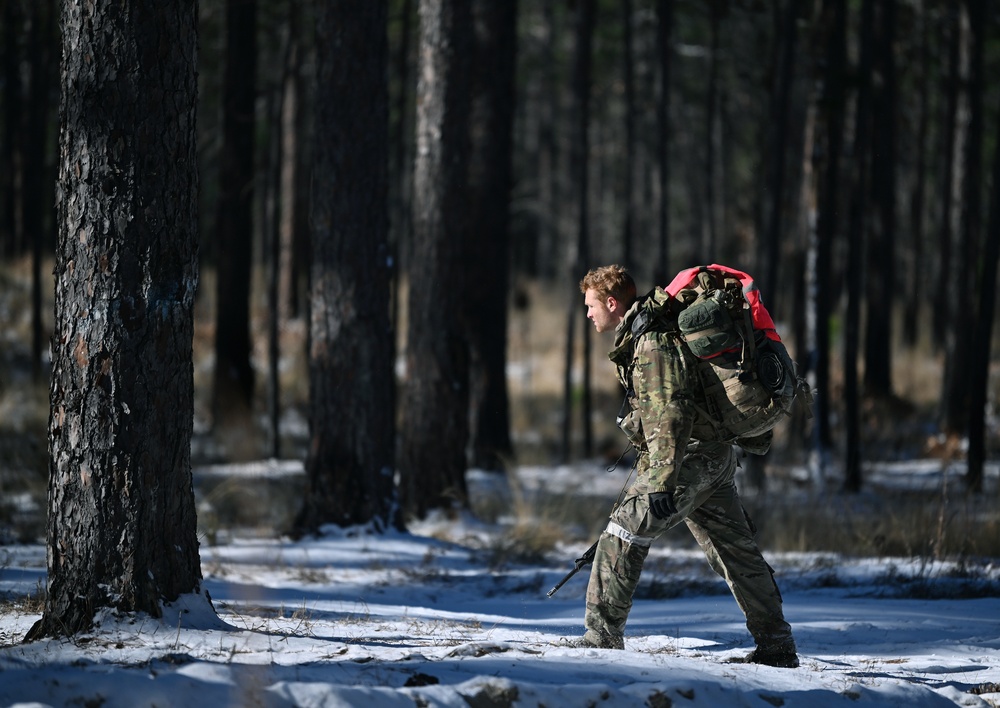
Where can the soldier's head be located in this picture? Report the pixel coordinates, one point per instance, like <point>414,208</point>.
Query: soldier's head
<point>608,293</point>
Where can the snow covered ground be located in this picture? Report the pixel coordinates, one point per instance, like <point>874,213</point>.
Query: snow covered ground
<point>354,619</point>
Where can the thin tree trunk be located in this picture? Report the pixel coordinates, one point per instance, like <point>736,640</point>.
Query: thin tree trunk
<point>432,458</point>
<point>665,49</point>
<point>776,144</point>
<point>12,111</point>
<point>881,247</point>
<point>401,226</point>
<point>983,336</point>
<point>915,274</point>
<point>487,264</point>
<point>855,254</point>
<point>38,194</point>
<point>290,182</point>
<point>233,383</point>
<point>949,131</point>
<point>832,109</point>
<point>961,319</point>
<point>580,168</point>
<point>710,245</point>
<point>549,203</point>
<point>628,75</point>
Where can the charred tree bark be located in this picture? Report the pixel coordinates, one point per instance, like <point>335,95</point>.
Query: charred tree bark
<point>435,416</point>
<point>121,527</point>
<point>350,464</point>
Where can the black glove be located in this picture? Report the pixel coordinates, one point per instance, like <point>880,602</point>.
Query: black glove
<point>661,505</point>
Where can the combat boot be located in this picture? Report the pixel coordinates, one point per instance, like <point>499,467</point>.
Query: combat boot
<point>594,639</point>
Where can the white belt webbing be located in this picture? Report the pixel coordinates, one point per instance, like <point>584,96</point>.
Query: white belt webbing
<point>627,536</point>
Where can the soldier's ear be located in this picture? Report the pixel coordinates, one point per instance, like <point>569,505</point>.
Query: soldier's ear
<point>612,303</point>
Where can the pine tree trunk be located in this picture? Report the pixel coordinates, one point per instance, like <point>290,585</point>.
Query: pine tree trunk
<point>628,170</point>
<point>950,131</point>
<point>665,49</point>
<point>776,145</point>
<point>486,267</point>
<point>914,290</point>
<point>832,109</point>
<point>882,262</point>
<point>580,170</point>
<point>289,181</point>
<point>983,336</point>
<point>121,527</point>
<point>966,252</point>
<point>350,463</point>
<point>856,240</point>
<point>10,144</point>
<point>233,383</point>
<point>435,417</point>
<point>546,261</point>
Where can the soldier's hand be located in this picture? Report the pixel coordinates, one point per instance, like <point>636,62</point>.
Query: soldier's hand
<point>661,504</point>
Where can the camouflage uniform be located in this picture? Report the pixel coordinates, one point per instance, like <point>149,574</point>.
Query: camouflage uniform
<point>677,453</point>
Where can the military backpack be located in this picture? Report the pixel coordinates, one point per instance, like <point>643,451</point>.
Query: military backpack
<point>748,379</point>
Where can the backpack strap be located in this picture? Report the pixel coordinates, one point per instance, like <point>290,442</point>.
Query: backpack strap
<point>749,345</point>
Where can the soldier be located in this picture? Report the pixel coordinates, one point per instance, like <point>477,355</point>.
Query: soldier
<point>683,474</point>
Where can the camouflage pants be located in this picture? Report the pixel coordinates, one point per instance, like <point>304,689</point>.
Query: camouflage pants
<point>707,501</point>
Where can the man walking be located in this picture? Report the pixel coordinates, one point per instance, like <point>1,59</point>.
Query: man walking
<point>685,472</point>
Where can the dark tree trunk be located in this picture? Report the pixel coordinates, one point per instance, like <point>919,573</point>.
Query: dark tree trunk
<point>881,249</point>
<point>828,171</point>
<point>121,527</point>
<point>855,253</point>
<point>579,169</point>
<point>38,194</point>
<point>10,155</point>
<point>435,415</point>
<point>350,462</point>
<point>628,170</point>
<point>546,261</point>
<point>914,287</point>
<point>400,187</point>
<point>961,323</point>
<point>980,372</point>
<point>665,50</point>
<point>710,242</point>
<point>487,264</point>
<point>291,185</point>
<point>776,144</point>
<point>233,384</point>
<point>952,27</point>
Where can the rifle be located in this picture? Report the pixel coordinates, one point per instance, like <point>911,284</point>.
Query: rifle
<point>586,559</point>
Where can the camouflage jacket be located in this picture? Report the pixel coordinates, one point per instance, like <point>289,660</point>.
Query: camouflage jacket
<point>661,388</point>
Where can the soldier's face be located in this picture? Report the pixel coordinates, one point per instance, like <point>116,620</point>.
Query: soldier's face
<point>602,312</point>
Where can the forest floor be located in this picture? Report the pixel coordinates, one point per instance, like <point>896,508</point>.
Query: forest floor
<point>892,590</point>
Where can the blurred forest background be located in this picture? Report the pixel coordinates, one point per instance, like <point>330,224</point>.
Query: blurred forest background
<point>843,152</point>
